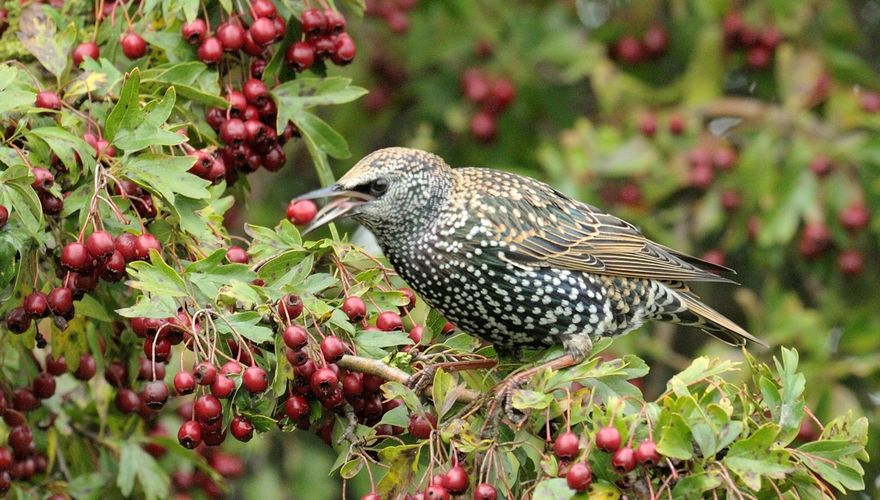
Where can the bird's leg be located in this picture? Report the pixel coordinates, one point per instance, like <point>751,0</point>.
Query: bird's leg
<point>421,379</point>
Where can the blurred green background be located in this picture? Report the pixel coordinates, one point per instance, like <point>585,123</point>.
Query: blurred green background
<point>745,132</point>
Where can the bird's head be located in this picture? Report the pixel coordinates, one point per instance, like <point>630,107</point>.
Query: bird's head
<point>393,192</point>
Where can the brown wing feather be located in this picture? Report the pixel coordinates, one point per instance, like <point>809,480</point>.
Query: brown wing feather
<point>546,228</point>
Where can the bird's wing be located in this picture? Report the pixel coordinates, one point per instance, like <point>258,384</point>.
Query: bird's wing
<point>542,227</point>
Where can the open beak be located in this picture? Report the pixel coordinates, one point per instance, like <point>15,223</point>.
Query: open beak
<point>342,203</point>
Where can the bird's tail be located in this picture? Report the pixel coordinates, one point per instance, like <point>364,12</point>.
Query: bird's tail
<point>697,314</point>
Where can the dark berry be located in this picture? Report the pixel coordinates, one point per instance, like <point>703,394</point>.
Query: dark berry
<point>56,366</point>
<point>75,257</point>
<point>323,382</point>
<point>207,408</point>
<point>60,301</point>
<point>851,262</point>
<point>210,50</point>
<point>127,401</point>
<point>113,269</point>
<point>36,305</point>
<point>241,428</point>
<point>314,22</point>
<point>126,244</point>
<point>263,31</point>
<point>86,368</point>
<point>115,374</point>
<point>155,394</point>
<point>300,56</point>
<point>255,91</point>
<point>18,320</point>
<point>296,407</point>
<point>233,131</point>
<point>100,245</point>
<point>20,439</point>
<point>420,426</point>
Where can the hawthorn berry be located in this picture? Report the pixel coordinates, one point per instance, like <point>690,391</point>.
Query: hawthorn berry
<point>113,269</point>
<point>75,257</point>
<point>4,216</point>
<point>608,439</point>
<point>184,383</point>
<point>485,491</point>
<point>210,50</point>
<point>301,212</point>
<point>344,50</point>
<point>332,349</point>
<point>127,401</point>
<point>456,480</point>
<point>290,306</point>
<point>295,337</point>
<point>567,445</point>
<point>190,434</point>
<point>262,31</point>
<point>20,439</point>
<point>483,127</point>
<point>255,91</point>
<point>47,100</point>
<point>388,321</point>
<point>144,243</point>
<point>236,255</point>
<point>233,131</point>
<point>115,374</point>
<point>155,395</point>
<point>18,320</point>
<point>255,379</point>
<point>56,366</point>
<point>420,426</point>
<point>86,368</point>
<point>36,305</point>
<point>624,459</point>
<point>100,245</point>
<point>851,262</point>
<point>352,384</point>
<point>646,453</point>
<point>436,492</point>
<point>296,407</point>
<point>223,386</point>
<point>855,217</point>
<point>133,45</point>
<point>85,50</point>
<point>194,32</point>
<point>371,496</point>
<point>263,8</point>
<point>655,40</point>
<point>300,56</point>
<point>126,244</point>
<point>313,21</point>
<point>231,35</point>
<point>24,400</point>
<point>207,408</point>
<point>241,428</point>
<point>579,477</point>
<point>323,382</point>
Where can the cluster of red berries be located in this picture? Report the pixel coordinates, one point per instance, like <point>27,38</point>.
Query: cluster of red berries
<point>760,45</point>
<point>707,161</point>
<point>648,124</point>
<point>324,37</point>
<point>492,95</point>
<point>247,129</point>
<point>395,13</point>
<point>630,49</point>
<point>21,461</point>
<point>233,36</point>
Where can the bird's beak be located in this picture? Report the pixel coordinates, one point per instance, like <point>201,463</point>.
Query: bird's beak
<point>343,202</point>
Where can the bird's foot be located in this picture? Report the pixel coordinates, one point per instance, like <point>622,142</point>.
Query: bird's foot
<point>502,404</point>
<point>420,380</point>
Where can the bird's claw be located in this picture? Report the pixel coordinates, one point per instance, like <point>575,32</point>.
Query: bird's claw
<point>420,380</point>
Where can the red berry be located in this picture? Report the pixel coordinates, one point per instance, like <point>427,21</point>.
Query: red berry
<point>100,245</point>
<point>263,8</point>
<point>207,408</point>
<point>85,50</point>
<point>629,50</point>
<point>255,91</point>
<point>4,216</point>
<point>870,102</point>
<point>18,320</point>
<point>146,368</point>
<point>231,35</point>
<point>60,301</point>
<point>323,382</point>
<point>36,305</point>
<point>296,407</point>
<point>352,384</point>
<point>815,239</point>
<point>241,428</point>
<point>44,385</point>
<point>47,100</point>
<point>854,218</point>
<point>301,212</point>
<point>56,366</point>
<point>126,244</point>
<point>236,255</point>
<point>702,176</point>
<point>579,477</point>
<point>724,158</point>
<point>295,337</point>
<point>86,368</point>
<point>436,492</point>
<point>290,306</point>
<point>624,459</point>
<point>676,124</point>
<point>475,85</point>
<point>851,262</point>
<point>483,127</point>
<point>115,374</point>
<point>759,57</point>
<point>420,426</point>
<point>314,22</point>
<point>416,334</point>
<point>195,31</point>
<point>133,46</point>
<point>113,269</point>
<point>275,158</point>
<point>821,165</point>
<point>300,56</point>
<point>501,94</point>
<point>456,480</point>
<point>371,496</point>
<point>223,387</point>
<point>485,491</point>
<point>730,200</point>
<point>255,379</point>
<point>262,31</point>
<point>155,394</point>
<point>43,179</point>
<point>231,367</point>
<point>184,383</point>
<point>646,453</point>
<point>190,434</point>
<point>20,439</point>
<point>715,256</point>
<point>567,445</point>
<point>75,257</point>
<point>770,38</point>
<point>389,321</point>
<point>608,439</point>
<point>648,125</point>
<point>144,243</point>
<point>210,50</point>
<point>233,131</point>
<point>344,50</point>
<point>157,349</point>
<point>354,308</point>
<point>332,349</point>
<point>127,401</point>
<point>656,40</point>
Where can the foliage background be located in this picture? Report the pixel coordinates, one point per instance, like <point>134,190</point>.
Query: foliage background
<point>575,124</point>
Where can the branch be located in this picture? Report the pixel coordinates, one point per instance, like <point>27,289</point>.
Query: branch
<point>380,369</point>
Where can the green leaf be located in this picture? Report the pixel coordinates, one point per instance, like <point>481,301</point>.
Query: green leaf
<point>149,131</point>
<point>757,456</point>
<point>134,462</point>
<point>694,485</point>
<point>67,147</point>
<point>701,369</point>
<point>553,489</point>
<point>166,175</point>
<point>39,35</point>
<point>374,339</point>
<point>213,272</point>
<point>397,416</point>
<point>308,92</point>
<point>834,461</point>
<point>394,390</point>
<point>246,324</point>
<point>675,437</point>
<point>155,306</point>
<point>127,112</point>
<point>192,79</point>
<point>444,383</point>
<point>323,135</point>
<point>156,277</point>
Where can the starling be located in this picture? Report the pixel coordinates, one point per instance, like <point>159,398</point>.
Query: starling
<point>514,261</point>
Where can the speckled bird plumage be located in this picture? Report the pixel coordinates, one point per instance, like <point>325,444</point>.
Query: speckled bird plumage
<point>514,261</point>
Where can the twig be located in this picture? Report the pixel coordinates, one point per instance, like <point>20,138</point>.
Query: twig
<point>380,369</point>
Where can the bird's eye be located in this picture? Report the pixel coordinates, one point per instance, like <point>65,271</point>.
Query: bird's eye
<point>378,187</point>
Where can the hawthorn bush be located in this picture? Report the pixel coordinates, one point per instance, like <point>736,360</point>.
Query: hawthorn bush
<point>151,340</point>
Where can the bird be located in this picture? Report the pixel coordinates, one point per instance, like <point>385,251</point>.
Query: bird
<point>516,262</point>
